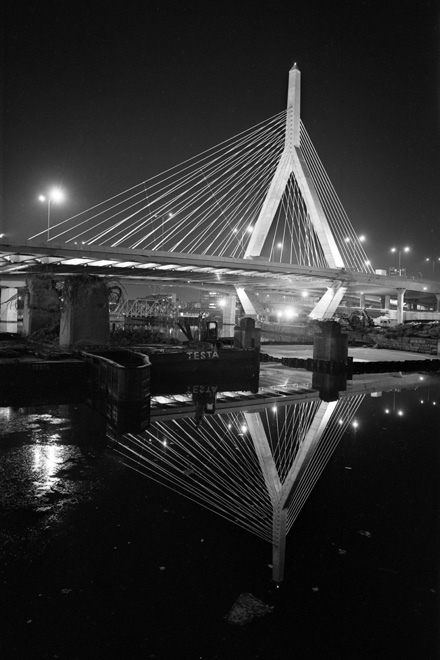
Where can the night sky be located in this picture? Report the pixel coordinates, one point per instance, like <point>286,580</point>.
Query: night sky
<point>98,97</point>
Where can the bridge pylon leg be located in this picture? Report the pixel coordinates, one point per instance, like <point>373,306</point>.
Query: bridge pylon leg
<point>330,301</point>
<point>229,316</point>
<point>250,302</point>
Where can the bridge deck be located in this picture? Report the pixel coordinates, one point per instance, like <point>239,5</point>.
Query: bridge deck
<point>17,262</point>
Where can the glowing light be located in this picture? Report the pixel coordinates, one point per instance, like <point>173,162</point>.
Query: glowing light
<point>244,428</point>
<point>289,313</point>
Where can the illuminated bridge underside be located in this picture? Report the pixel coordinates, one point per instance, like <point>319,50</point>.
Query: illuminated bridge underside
<point>18,262</point>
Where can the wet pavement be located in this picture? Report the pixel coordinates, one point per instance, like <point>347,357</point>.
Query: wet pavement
<point>100,562</point>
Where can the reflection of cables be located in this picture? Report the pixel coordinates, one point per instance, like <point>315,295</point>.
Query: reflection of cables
<point>216,465</point>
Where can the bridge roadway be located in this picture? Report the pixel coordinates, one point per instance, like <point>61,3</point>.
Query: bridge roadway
<point>220,273</point>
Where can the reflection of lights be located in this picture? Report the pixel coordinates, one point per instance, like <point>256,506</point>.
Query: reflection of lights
<point>274,409</point>
<point>387,411</point>
<point>244,428</point>
<point>229,426</point>
<point>46,459</point>
<point>5,413</point>
<point>341,421</point>
<point>355,424</point>
<point>400,413</point>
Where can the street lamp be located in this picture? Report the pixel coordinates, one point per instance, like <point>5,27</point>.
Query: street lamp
<point>433,262</point>
<point>400,250</point>
<point>55,195</point>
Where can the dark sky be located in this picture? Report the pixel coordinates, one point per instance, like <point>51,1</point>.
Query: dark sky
<point>100,96</point>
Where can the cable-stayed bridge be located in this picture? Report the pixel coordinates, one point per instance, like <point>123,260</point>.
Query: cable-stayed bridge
<point>255,213</point>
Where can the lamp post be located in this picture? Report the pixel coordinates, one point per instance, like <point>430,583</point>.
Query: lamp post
<point>433,260</point>
<point>400,250</point>
<point>55,195</point>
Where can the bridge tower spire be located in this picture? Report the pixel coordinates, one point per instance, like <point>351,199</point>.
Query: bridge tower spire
<point>292,163</point>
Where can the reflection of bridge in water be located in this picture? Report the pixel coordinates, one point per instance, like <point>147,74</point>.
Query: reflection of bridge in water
<point>257,460</point>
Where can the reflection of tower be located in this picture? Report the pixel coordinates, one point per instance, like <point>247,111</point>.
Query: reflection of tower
<point>254,469</point>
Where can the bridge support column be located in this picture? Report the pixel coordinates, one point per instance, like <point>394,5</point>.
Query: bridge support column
<point>247,335</point>
<point>400,299</point>
<point>331,345</point>
<point>229,315</point>
<point>437,296</point>
<point>362,300</point>
<point>41,308</point>
<point>8,310</point>
<point>386,302</point>
<point>85,316</point>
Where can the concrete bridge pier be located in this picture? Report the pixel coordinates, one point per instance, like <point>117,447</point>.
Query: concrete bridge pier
<point>330,345</point>
<point>400,300</point>
<point>85,313</point>
<point>437,296</point>
<point>386,302</point>
<point>41,308</point>
<point>8,309</point>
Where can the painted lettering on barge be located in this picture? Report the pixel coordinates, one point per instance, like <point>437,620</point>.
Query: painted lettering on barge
<point>202,355</point>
